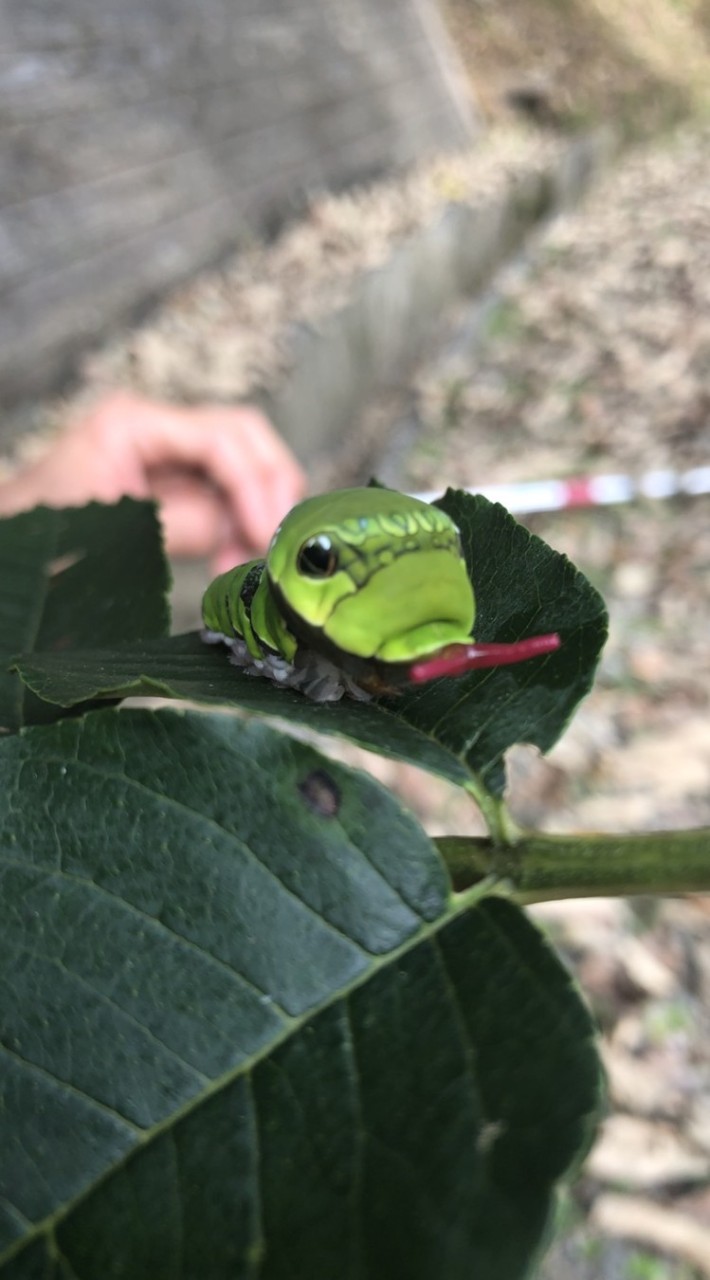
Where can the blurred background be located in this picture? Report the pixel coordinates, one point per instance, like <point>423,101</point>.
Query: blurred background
<point>444,243</point>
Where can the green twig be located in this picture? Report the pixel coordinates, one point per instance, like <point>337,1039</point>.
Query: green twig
<point>503,830</point>
<point>538,867</point>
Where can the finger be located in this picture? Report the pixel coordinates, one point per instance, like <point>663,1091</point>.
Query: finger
<point>237,449</point>
<point>78,466</point>
<point>195,520</point>
<point>260,477</point>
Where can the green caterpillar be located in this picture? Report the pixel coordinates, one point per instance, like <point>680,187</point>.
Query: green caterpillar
<point>356,586</point>
<point>362,592</point>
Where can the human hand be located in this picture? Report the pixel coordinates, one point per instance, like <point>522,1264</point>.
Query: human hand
<point>222,476</point>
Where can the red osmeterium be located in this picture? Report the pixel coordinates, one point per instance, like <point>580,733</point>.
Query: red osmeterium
<point>456,659</point>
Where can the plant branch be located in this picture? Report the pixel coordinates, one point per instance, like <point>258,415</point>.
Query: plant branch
<point>539,868</point>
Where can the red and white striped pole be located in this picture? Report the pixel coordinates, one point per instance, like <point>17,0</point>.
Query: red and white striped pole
<point>533,496</point>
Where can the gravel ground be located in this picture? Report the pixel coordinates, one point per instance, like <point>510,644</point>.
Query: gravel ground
<point>595,355</point>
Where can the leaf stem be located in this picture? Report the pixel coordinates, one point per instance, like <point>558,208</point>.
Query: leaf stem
<point>539,868</point>
<point>504,831</point>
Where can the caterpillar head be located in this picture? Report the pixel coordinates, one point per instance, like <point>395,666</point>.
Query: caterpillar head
<point>374,574</point>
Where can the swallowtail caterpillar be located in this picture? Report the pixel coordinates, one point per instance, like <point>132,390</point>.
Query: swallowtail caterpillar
<point>362,591</point>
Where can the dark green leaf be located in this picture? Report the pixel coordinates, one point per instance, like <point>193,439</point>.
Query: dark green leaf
<point>184,667</point>
<point>453,727</point>
<point>86,577</point>
<point>246,1034</point>
<point>522,588</point>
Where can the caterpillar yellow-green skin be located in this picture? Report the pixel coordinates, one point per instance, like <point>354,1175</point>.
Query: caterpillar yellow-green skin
<point>361,583</point>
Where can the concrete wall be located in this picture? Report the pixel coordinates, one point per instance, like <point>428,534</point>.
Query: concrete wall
<point>141,138</point>
<point>402,312</point>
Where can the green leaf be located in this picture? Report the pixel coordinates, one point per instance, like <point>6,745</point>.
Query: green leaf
<point>522,588</point>
<point>246,1030</point>
<point>457,728</point>
<point>184,667</point>
<point>85,577</point>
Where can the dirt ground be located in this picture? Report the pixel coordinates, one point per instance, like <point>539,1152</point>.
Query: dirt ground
<point>594,357</point>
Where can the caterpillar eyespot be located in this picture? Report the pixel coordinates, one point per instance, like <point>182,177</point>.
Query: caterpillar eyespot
<point>318,558</point>
<point>362,592</point>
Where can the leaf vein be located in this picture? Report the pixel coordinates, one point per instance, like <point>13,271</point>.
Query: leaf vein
<point>159,926</point>
<point>258,1246</point>
<point>94,1103</point>
<point>116,1004</point>
<point>172,802</point>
